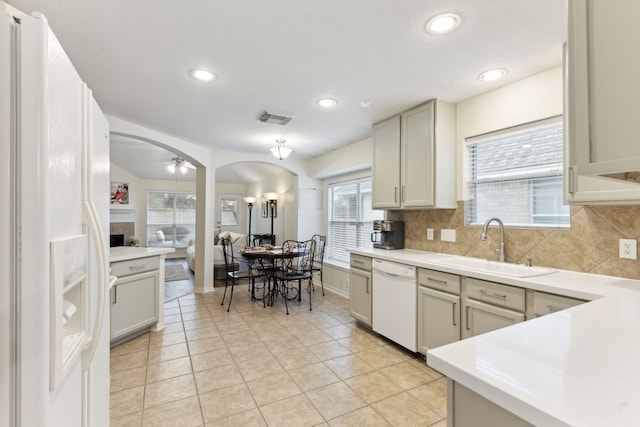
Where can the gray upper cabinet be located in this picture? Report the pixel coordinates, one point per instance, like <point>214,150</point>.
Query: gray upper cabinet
<point>602,142</point>
<point>414,158</point>
<point>386,164</point>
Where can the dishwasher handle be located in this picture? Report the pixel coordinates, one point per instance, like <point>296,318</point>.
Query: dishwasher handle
<point>393,269</point>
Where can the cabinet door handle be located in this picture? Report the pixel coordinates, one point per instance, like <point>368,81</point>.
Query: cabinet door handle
<point>571,171</point>
<point>493,295</point>
<point>403,195</point>
<point>367,287</point>
<point>115,295</point>
<point>553,308</point>
<point>136,267</point>
<point>467,317</point>
<point>357,261</point>
<point>442,283</point>
<point>454,314</point>
<point>395,194</point>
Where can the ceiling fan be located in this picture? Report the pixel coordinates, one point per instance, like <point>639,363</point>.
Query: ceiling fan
<point>178,164</point>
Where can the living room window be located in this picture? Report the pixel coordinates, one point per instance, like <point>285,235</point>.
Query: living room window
<point>171,219</point>
<point>350,217</point>
<point>516,175</point>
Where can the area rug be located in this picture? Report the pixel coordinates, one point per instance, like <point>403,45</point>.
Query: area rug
<point>173,272</point>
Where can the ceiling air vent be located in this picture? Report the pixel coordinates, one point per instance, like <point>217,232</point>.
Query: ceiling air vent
<point>274,118</point>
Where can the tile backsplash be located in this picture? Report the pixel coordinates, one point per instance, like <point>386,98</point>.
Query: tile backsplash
<point>590,245</point>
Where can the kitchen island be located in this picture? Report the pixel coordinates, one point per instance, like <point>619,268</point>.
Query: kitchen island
<point>578,366</point>
<point>137,297</point>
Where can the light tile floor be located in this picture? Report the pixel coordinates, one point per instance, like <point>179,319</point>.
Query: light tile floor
<point>256,366</point>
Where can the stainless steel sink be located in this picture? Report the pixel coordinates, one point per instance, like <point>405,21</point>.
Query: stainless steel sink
<point>493,267</point>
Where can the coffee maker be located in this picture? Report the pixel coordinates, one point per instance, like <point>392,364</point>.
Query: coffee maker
<point>388,234</point>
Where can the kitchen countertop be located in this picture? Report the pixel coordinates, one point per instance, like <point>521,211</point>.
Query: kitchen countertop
<point>579,366</point>
<point>124,253</point>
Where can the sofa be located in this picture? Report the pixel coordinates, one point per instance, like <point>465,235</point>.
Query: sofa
<point>238,240</point>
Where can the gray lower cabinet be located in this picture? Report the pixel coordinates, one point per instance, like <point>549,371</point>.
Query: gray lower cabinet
<point>545,303</point>
<point>438,309</point>
<point>489,306</point>
<point>134,297</point>
<point>465,408</point>
<point>360,290</point>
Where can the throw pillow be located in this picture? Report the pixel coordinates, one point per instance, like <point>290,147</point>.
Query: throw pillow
<point>224,234</point>
<point>235,237</point>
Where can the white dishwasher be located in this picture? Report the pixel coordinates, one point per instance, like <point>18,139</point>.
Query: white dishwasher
<point>394,302</point>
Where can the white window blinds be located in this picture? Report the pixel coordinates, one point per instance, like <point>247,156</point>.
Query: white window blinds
<point>350,217</point>
<point>516,175</point>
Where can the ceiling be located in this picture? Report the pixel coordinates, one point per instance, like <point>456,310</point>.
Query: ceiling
<point>280,56</point>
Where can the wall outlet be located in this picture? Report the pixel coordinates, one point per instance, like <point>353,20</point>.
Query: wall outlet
<point>628,248</point>
<point>448,235</point>
<point>429,233</point>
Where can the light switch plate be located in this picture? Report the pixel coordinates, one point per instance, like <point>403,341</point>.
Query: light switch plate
<point>628,248</point>
<point>448,235</point>
<point>429,233</point>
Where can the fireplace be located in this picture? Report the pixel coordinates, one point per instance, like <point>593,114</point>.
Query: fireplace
<point>120,232</point>
<point>116,240</point>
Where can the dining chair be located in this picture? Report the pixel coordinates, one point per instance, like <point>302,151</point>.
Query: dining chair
<point>318,257</point>
<point>292,267</point>
<point>237,269</point>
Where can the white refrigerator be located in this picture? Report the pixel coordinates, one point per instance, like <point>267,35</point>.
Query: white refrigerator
<point>54,186</point>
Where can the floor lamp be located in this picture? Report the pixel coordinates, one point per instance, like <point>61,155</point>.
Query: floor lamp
<point>272,197</point>
<point>250,201</point>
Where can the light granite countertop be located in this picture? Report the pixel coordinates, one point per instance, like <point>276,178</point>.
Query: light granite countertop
<point>575,367</point>
<point>124,253</point>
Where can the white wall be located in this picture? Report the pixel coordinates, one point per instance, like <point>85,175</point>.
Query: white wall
<point>534,98</point>
<point>353,157</point>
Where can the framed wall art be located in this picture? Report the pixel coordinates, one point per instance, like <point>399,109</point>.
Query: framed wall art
<point>119,193</point>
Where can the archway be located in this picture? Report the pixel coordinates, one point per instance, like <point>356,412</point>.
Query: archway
<point>199,182</point>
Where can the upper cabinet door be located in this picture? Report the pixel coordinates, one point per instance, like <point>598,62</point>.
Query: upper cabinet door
<point>601,93</point>
<point>417,152</point>
<point>386,164</point>
<point>602,109</point>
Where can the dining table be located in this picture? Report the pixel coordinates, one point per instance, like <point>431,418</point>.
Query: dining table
<point>267,262</point>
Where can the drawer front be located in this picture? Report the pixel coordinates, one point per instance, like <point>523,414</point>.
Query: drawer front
<point>134,266</point>
<point>496,294</point>
<point>360,262</point>
<point>438,280</point>
<point>544,303</point>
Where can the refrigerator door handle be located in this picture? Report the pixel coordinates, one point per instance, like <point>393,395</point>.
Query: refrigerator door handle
<point>92,219</point>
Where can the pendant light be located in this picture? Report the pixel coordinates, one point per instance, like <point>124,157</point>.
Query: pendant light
<point>280,151</point>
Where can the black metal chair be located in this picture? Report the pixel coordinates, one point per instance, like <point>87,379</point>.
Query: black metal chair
<point>294,266</point>
<point>318,257</point>
<point>237,269</point>
<point>263,239</point>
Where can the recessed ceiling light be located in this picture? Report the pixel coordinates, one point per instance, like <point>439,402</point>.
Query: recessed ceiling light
<point>443,23</point>
<point>326,102</point>
<point>365,103</point>
<point>203,75</point>
<point>491,75</point>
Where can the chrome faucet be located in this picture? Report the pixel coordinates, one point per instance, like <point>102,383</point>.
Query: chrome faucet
<point>483,236</point>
